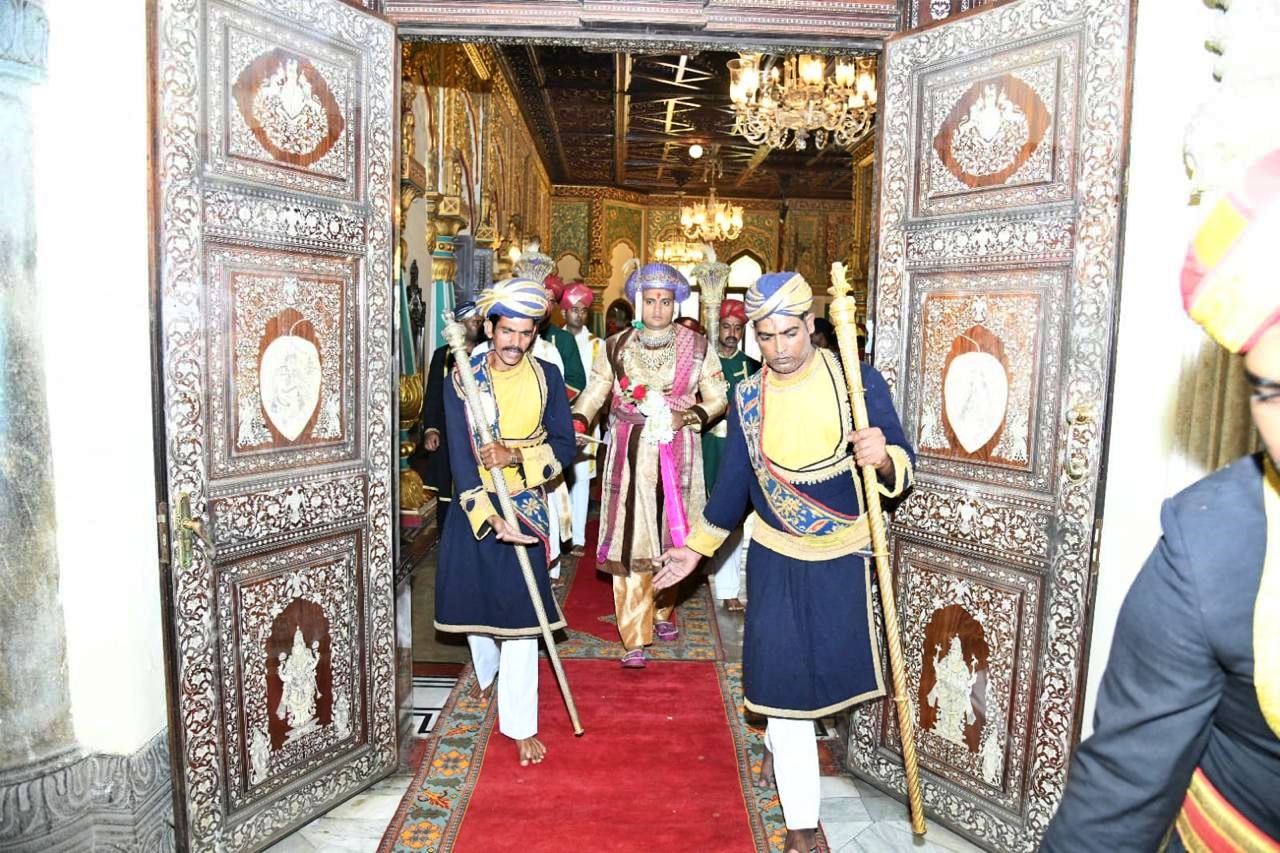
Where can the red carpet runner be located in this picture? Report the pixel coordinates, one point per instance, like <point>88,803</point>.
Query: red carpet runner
<point>656,770</point>
<point>665,764</point>
<point>590,601</point>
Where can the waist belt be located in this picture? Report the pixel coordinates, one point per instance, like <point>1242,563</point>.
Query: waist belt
<point>1210,824</point>
<point>851,539</point>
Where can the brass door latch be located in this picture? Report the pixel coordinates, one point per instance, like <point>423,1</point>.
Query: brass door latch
<point>189,531</point>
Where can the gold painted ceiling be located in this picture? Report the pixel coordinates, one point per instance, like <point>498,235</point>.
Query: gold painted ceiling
<point>627,120</point>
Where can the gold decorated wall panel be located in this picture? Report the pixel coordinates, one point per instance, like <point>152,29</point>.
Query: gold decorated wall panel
<point>478,146</point>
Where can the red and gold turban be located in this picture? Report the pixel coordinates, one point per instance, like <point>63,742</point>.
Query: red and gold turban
<point>1231,276</point>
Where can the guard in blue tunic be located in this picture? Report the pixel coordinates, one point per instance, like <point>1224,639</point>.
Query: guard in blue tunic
<point>480,590</point>
<point>791,457</point>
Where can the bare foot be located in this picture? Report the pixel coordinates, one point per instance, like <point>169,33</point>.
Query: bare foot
<point>484,694</point>
<point>765,778</point>
<point>532,751</point>
<point>734,605</point>
<point>800,841</point>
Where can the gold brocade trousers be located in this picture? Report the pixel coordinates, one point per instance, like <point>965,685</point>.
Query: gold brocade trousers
<point>638,605</point>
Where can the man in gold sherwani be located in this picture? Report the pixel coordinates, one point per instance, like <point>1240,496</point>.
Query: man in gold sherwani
<point>655,356</point>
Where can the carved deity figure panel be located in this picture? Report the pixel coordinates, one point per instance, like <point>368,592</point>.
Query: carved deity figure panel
<point>981,356</point>
<point>297,653</point>
<point>955,658</point>
<point>968,634</point>
<point>299,673</point>
<point>287,392</point>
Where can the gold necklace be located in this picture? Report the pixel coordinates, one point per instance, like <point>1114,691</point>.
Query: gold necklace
<point>653,361</point>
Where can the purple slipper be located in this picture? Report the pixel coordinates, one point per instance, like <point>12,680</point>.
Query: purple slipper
<point>666,631</point>
<point>633,659</point>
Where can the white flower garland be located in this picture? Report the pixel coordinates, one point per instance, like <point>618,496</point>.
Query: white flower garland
<point>659,426</point>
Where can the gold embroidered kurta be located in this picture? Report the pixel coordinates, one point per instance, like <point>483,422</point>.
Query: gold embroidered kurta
<point>632,531</point>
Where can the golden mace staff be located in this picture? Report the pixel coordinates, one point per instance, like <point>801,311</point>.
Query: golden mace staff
<point>455,334</point>
<point>844,310</point>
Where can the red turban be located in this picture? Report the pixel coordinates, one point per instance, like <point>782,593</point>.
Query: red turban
<point>576,295</point>
<point>733,309</point>
<point>555,286</point>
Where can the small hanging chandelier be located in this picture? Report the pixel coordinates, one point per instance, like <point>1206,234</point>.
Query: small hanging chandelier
<point>711,220</point>
<point>783,108</point>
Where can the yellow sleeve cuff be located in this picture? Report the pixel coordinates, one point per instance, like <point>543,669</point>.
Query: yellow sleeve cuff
<point>479,509</point>
<point>706,538</point>
<point>901,472</point>
<point>539,465</point>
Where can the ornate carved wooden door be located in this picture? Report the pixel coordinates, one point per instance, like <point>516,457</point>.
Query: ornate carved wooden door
<point>1003,146</point>
<point>273,128</point>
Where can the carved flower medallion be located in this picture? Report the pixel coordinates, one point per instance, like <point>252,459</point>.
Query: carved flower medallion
<point>991,131</point>
<point>289,108</point>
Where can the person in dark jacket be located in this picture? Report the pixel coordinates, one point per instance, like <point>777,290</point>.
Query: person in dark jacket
<point>435,439</point>
<point>1186,740</point>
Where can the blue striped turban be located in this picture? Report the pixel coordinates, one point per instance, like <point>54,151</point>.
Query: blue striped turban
<point>520,298</point>
<point>784,293</point>
<point>658,277</point>
<point>463,310</point>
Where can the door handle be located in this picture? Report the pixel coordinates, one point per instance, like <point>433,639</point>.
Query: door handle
<point>1079,416</point>
<point>191,530</point>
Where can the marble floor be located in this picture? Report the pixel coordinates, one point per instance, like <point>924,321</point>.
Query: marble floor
<point>856,817</point>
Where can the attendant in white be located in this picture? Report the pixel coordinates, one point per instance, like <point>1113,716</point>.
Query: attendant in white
<point>575,302</point>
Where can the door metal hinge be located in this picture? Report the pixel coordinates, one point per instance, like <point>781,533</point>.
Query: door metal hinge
<point>162,531</point>
<point>1097,544</point>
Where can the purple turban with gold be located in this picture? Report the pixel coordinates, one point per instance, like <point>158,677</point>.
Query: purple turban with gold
<point>657,277</point>
<point>785,293</point>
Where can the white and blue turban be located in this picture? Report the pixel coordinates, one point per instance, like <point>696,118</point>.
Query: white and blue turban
<point>521,298</point>
<point>463,310</point>
<point>657,277</point>
<point>785,293</point>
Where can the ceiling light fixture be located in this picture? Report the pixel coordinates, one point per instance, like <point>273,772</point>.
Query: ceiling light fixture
<point>782,108</point>
<point>711,220</point>
<point>695,151</point>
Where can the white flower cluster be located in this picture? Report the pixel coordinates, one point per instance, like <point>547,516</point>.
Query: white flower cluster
<point>659,426</point>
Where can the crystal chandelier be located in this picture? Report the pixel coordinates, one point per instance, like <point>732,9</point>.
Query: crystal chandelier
<point>678,253</point>
<point>711,220</point>
<point>782,108</point>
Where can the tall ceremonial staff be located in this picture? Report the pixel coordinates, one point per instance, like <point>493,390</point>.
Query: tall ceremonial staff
<point>455,334</point>
<point>844,311</point>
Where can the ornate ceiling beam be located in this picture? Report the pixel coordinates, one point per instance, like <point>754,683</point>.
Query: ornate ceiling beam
<point>523,72</point>
<point>684,25</point>
<point>621,115</point>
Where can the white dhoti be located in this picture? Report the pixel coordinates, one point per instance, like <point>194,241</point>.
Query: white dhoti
<point>553,544</point>
<point>516,667</point>
<point>726,567</point>
<point>795,767</point>
<point>579,499</point>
